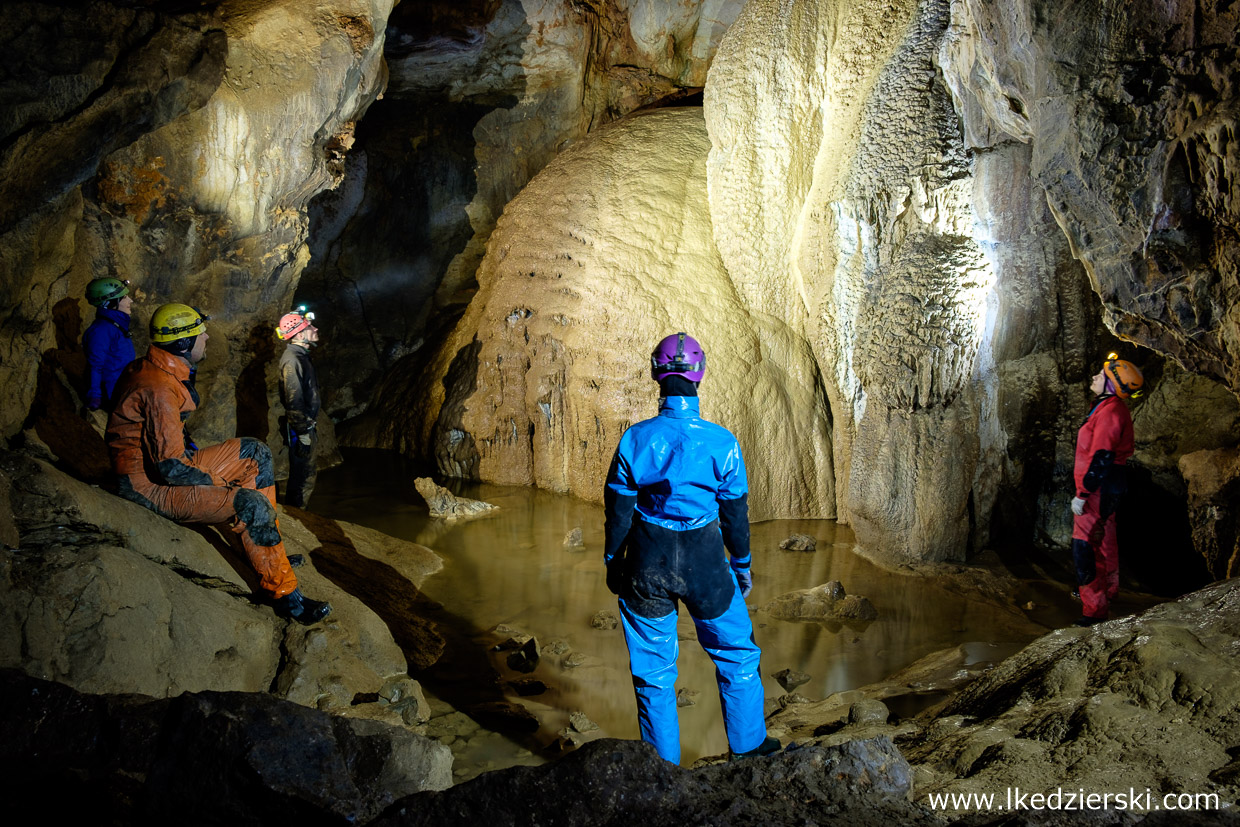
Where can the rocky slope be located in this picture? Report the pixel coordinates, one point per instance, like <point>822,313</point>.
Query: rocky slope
<point>1143,705</point>
<point>106,596</point>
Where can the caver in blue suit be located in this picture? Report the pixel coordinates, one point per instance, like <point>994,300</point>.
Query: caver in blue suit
<point>676,496</point>
<point>109,349</point>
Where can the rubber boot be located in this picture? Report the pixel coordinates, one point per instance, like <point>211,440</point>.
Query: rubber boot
<point>765,748</point>
<point>297,606</point>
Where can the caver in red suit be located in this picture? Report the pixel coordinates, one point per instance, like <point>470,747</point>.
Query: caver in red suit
<point>1103,446</point>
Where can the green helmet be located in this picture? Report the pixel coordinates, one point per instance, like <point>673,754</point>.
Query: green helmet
<point>104,290</point>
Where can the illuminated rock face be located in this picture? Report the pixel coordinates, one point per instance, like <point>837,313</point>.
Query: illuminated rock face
<point>605,252</point>
<point>190,176</point>
<point>904,223</point>
<point>877,248</point>
<point>1132,123</point>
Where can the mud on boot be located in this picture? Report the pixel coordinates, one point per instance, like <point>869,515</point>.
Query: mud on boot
<point>297,606</point>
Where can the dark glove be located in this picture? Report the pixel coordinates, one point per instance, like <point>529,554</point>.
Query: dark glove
<point>744,579</point>
<point>615,576</point>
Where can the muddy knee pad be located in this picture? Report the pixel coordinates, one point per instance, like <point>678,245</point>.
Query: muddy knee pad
<point>251,448</point>
<point>1083,557</point>
<point>259,517</point>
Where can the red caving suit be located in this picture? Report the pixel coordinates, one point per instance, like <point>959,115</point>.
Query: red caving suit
<point>1107,428</point>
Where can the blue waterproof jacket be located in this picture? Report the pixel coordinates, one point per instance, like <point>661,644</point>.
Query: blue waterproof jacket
<point>109,349</point>
<point>678,466</point>
<point>679,471</point>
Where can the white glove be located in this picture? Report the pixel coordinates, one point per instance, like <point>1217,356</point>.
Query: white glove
<point>1078,506</point>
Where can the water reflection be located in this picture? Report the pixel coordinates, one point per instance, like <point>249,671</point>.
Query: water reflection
<point>512,568</point>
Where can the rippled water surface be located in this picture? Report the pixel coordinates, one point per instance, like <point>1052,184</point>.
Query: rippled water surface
<point>512,567</point>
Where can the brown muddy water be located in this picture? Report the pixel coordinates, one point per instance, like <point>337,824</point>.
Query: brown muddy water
<point>513,568</point>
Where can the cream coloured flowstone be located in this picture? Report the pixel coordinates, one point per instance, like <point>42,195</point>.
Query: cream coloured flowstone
<point>606,251</point>
<point>841,201</point>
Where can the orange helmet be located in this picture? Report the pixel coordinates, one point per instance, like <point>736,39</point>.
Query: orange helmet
<point>293,323</point>
<point>1125,377</point>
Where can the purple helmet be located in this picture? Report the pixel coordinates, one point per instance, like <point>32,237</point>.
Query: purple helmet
<point>678,355</point>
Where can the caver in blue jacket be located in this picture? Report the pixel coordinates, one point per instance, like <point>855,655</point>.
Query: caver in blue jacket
<point>109,349</point>
<point>676,495</point>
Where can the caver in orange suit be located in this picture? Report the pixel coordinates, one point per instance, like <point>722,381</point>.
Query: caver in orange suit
<point>221,483</point>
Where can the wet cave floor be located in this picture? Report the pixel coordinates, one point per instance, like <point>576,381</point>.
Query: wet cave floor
<point>512,572</point>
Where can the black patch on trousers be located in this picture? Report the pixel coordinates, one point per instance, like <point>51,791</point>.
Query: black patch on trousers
<point>664,566</point>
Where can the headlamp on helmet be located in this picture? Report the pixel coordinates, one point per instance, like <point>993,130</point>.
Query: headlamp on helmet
<point>678,355</point>
<point>1125,377</point>
<point>172,322</point>
<point>294,322</point>
<point>103,292</point>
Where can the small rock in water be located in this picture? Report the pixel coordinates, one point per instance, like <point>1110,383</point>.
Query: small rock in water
<point>792,698</point>
<point>515,642</point>
<point>526,658</point>
<point>579,722</point>
<point>504,630</point>
<point>568,741</point>
<point>556,647</point>
<point>443,503</point>
<point>574,660</point>
<point>790,679</point>
<point>825,602</point>
<point>605,620</point>
<point>573,539</point>
<point>868,711</point>
<point>856,607</point>
<point>526,687</point>
<point>800,542</point>
<point>686,697</point>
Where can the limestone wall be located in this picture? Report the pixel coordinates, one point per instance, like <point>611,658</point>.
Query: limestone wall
<point>178,150</point>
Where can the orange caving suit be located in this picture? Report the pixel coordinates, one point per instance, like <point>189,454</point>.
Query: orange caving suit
<point>1103,446</point>
<point>157,465</point>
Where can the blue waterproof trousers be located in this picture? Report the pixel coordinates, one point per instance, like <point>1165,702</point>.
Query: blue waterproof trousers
<point>728,639</point>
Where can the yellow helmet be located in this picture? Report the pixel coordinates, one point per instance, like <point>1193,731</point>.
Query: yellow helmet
<point>1125,377</point>
<point>177,321</point>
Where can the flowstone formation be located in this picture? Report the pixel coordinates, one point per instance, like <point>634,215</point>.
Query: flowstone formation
<point>608,250</point>
<point>933,285</point>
